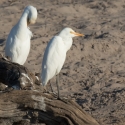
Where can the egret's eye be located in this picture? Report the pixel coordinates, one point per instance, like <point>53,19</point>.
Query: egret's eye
<point>71,32</point>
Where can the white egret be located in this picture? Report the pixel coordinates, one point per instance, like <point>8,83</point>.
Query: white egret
<point>55,55</point>
<point>18,42</point>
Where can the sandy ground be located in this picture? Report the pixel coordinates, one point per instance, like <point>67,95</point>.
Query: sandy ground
<point>94,71</point>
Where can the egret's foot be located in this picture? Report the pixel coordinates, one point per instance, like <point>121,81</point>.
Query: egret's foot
<point>64,99</point>
<point>53,94</point>
<point>58,98</point>
<point>8,58</point>
<point>56,95</point>
<point>46,91</point>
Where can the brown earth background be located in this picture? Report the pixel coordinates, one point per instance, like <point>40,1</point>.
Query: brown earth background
<point>94,70</point>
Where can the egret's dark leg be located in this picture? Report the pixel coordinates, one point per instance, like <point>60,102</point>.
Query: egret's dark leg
<point>57,83</point>
<point>45,89</point>
<point>51,87</point>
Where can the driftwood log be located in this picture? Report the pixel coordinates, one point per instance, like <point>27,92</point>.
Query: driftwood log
<point>33,107</point>
<point>16,76</point>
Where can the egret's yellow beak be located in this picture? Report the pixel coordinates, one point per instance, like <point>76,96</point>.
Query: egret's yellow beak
<point>76,34</point>
<point>30,22</point>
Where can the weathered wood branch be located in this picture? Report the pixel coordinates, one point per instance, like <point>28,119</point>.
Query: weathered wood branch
<point>37,107</point>
<point>15,75</point>
<point>23,107</point>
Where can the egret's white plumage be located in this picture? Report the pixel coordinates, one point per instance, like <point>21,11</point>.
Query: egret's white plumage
<point>55,54</point>
<point>18,41</point>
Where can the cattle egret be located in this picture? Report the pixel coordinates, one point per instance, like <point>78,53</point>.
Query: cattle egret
<point>55,55</point>
<point>18,42</point>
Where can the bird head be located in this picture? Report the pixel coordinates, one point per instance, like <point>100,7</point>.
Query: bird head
<point>68,32</point>
<point>32,14</point>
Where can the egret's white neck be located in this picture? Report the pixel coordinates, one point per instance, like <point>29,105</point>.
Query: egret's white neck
<point>23,20</point>
<point>67,41</point>
<point>21,26</point>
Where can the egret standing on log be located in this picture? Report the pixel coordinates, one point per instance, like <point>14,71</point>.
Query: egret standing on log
<point>55,55</point>
<point>18,42</point>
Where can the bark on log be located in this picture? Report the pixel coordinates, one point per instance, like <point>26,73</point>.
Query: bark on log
<point>26,107</point>
<point>15,75</point>
<point>36,107</point>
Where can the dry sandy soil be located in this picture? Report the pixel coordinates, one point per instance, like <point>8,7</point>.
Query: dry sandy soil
<point>94,71</point>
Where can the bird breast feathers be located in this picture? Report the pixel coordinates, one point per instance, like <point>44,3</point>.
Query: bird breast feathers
<point>54,52</point>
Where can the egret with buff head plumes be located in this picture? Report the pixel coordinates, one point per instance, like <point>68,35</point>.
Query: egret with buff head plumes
<point>18,42</point>
<point>55,55</point>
